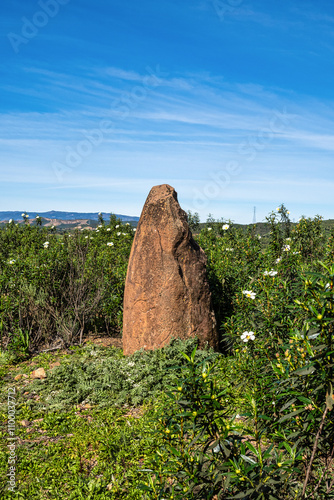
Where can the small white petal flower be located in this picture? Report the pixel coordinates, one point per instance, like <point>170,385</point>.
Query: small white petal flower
<point>278,260</point>
<point>287,239</point>
<point>278,209</point>
<point>229,249</point>
<point>117,226</point>
<point>249,294</point>
<point>10,220</point>
<point>134,229</point>
<point>225,227</point>
<point>295,253</point>
<point>286,248</point>
<point>209,228</point>
<point>86,237</point>
<point>100,213</point>
<point>108,229</point>
<point>246,336</point>
<point>131,363</point>
<point>127,224</point>
<point>258,236</point>
<point>11,262</point>
<point>270,273</point>
<point>46,244</point>
<point>118,234</point>
<point>110,244</point>
<point>100,225</point>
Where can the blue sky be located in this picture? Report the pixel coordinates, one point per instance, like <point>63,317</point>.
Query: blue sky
<point>230,102</point>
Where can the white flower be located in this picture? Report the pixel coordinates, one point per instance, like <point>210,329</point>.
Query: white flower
<point>327,287</point>
<point>225,227</point>
<point>131,363</point>
<point>46,244</point>
<point>10,221</point>
<point>52,227</point>
<point>97,230</point>
<point>127,224</point>
<point>249,294</point>
<point>270,273</point>
<point>117,226</point>
<point>37,217</point>
<point>246,336</point>
<point>295,253</point>
<point>286,248</point>
<point>229,249</point>
<point>258,237</point>
<point>12,261</point>
<point>278,260</point>
<point>110,244</point>
<point>23,215</point>
<point>278,209</point>
<point>100,225</point>
<point>100,213</point>
<point>209,228</point>
<point>287,239</point>
<point>118,234</point>
<point>86,237</point>
<point>134,229</point>
<point>108,229</point>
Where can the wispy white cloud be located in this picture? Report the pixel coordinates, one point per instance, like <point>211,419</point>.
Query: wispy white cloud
<point>190,133</point>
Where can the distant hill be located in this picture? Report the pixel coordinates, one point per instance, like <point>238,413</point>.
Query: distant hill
<point>56,215</point>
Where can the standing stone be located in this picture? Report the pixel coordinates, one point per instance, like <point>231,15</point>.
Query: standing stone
<point>166,290</point>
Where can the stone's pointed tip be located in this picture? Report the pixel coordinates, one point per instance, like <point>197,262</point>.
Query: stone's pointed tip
<point>161,191</point>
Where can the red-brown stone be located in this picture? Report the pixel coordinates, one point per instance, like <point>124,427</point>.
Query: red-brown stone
<point>166,290</point>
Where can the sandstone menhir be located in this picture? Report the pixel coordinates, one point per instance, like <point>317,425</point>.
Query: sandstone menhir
<point>166,290</point>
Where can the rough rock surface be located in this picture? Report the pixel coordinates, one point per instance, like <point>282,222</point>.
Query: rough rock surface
<point>166,290</point>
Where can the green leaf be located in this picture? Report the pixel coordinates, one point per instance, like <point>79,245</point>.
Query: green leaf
<point>248,459</point>
<point>290,415</point>
<point>251,447</point>
<point>193,354</point>
<point>287,447</point>
<point>304,371</point>
<point>289,403</point>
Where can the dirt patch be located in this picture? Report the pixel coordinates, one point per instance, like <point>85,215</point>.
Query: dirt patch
<point>104,341</point>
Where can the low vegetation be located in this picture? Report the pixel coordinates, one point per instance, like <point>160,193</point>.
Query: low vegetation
<point>254,421</point>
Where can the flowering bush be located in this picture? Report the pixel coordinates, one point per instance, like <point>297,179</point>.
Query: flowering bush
<point>58,287</point>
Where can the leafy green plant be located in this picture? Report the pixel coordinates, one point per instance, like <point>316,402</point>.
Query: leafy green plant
<point>203,453</point>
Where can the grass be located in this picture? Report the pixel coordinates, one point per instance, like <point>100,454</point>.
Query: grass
<point>83,445</point>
